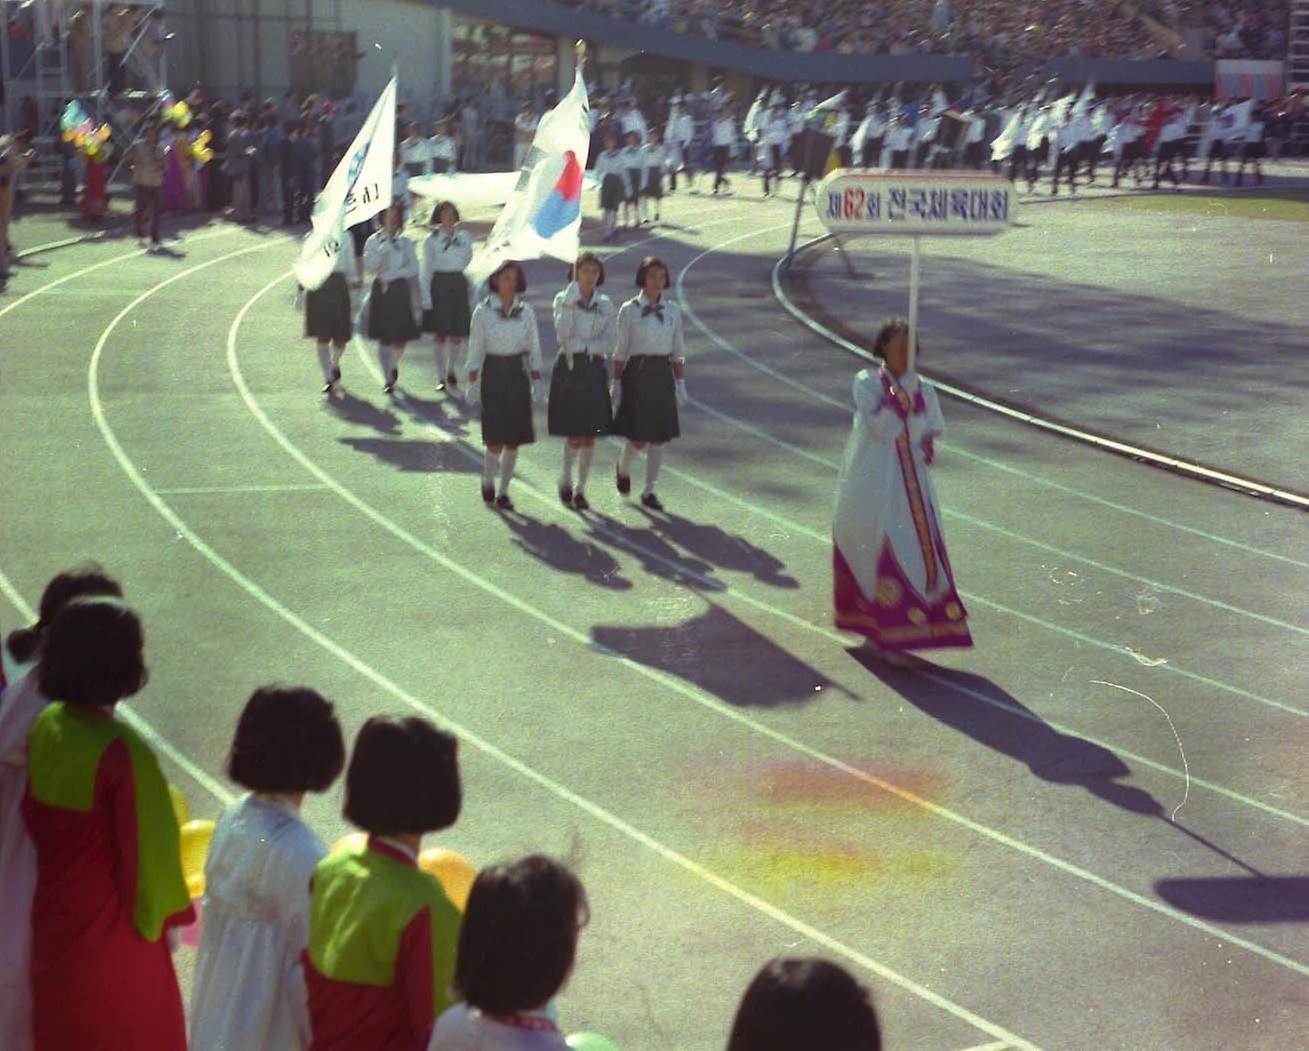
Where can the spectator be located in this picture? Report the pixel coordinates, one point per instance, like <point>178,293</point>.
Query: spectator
<point>239,168</point>
<point>147,159</point>
<point>811,1003</point>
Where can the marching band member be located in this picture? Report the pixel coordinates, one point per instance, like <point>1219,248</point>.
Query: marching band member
<point>893,581</point>
<point>866,144</point>
<point>414,152</point>
<point>394,303</point>
<point>1170,147</point>
<point>446,314</point>
<point>585,327</point>
<point>899,138</point>
<point>610,170</point>
<point>524,132</point>
<point>327,316</point>
<point>634,169</point>
<point>1251,138</point>
<point>442,149</point>
<point>681,133</point>
<point>1214,143</point>
<point>649,377</point>
<point>773,139</point>
<point>654,157</point>
<point>724,142</point>
<point>504,344</point>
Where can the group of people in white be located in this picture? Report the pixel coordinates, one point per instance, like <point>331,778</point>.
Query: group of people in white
<point>618,371</point>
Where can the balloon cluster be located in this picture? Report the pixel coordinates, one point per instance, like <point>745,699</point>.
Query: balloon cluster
<point>78,128</point>
<point>175,111</point>
<point>201,153</point>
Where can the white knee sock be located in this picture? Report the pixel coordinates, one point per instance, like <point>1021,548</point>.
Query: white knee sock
<point>507,461</point>
<point>442,353</point>
<point>489,465</point>
<point>584,465</point>
<point>325,361</point>
<point>653,458</point>
<point>385,361</point>
<point>337,354</point>
<point>625,460</point>
<point>570,455</point>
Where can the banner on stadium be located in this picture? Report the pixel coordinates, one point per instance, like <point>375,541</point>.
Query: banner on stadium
<point>358,189</point>
<point>915,203</point>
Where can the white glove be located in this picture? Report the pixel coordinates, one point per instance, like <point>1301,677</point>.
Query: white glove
<point>538,392</point>
<point>616,396</point>
<point>473,391</point>
<point>682,398</point>
<point>299,302</point>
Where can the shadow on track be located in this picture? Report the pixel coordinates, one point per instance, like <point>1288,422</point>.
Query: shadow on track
<point>722,549</point>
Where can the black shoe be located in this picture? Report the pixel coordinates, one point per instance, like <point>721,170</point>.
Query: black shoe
<point>452,380</point>
<point>624,482</point>
<point>488,493</point>
<point>565,493</point>
<point>580,502</point>
<point>651,501</point>
<point>504,503</point>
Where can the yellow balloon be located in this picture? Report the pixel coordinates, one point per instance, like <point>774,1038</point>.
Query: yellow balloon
<point>195,839</point>
<point>203,138</point>
<point>180,810</point>
<point>353,841</point>
<point>453,871</point>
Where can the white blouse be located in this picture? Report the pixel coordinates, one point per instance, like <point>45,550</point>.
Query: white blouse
<point>446,253</point>
<point>493,335</point>
<point>442,148</point>
<point>582,328</point>
<point>415,151</point>
<point>725,132</point>
<point>610,162</point>
<point>464,1028</point>
<point>631,157</point>
<point>653,157</point>
<point>390,258</point>
<point>642,331</point>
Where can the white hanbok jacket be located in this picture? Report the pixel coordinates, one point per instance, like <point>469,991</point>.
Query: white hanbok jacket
<point>249,981</point>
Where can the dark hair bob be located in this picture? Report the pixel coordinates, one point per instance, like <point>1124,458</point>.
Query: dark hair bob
<point>522,277</point>
<point>94,654</point>
<point>87,579</point>
<point>403,778</point>
<point>584,258</point>
<point>518,939</point>
<point>805,1003</point>
<point>887,332</point>
<point>646,264</point>
<point>287,740</point>
<point>442,206</point>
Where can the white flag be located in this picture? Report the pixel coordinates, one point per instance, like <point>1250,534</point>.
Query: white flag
<point>358,189</point>
<point>543,217</point>
<point>827,106</point>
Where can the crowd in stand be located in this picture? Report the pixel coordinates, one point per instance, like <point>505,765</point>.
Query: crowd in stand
<point>998,32</point>
<point>300,947</point>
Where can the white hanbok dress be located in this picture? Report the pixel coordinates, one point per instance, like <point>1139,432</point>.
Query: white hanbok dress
<point>893,581</point>
<point>249,981</point>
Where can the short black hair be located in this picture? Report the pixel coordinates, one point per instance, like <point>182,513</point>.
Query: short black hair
<point>518,939</point>
<point>805,1003</point>
<point>93,654</point>
<point>652,261</point>
<point>522,277</point>
<point>892,325</point>
<point>86,579</point>
<point>403,778</point>
<point>442,206</point>
<point>587,257</point>
<point>287,740</point>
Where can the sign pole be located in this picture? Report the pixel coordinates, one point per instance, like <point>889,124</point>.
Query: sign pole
<point>913,301</point>
<point>804,190</point>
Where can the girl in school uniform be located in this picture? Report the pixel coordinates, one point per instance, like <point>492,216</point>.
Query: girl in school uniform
<point>394,303</point>
<point>654,157</point>
<point>328,320</point>
<point>442,149</point>
<point>649,377</point>
<point>505,345</point>
<point>249,978</point>
<point>634,170</point>
<point>446,314</point>
<point>382,933</point>
<point>585,329</point>
<point>21,704</point>
<point>109,887</point>
<point>506,984</point>
<point>610,170</point>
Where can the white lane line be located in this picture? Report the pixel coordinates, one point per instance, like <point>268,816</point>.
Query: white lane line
<point>602,814</point>
<point>678,686</point>
<point>201,490</point>
<point>1189,468</point>
<point>140,725</point>
<point>846,406</point>
<point>999,1045</point>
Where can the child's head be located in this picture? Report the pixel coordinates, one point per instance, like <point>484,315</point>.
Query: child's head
<point>633,138</point>
<point>803,1004</point>
<point>445,210</point>
<point>287,741</point>
<point>88,579</point>
<point>94,654</point>
<point>519,935</point>
<point>403,778</point>
<point>611,141</point>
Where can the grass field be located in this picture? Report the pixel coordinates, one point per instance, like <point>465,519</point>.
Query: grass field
<point>1254,204</point>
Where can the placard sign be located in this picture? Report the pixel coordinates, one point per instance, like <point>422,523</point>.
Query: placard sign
<point>915,203</point>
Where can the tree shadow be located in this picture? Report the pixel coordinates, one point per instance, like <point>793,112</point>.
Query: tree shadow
<point>563,552</point>
<point>658,557</point>
<point>1240,899</point>
<point>1002,724</point>
<point>413,455</point>
<point>355,410</point>
<point>724,550</point>
<point>722,656</point>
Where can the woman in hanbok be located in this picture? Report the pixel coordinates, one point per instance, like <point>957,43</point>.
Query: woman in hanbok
<point>180,192</point>
<point>20,705</point>
<point>585,329</point>
<point>94,202</point>
<point>893,582</point>
<point>249,976</point>
<point>109,889</point>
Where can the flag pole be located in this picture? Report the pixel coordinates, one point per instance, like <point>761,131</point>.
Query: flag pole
<point>804,192</point>
<point>913,302</point>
